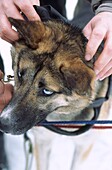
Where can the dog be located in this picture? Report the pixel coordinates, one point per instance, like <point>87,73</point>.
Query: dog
<point>52,78</point>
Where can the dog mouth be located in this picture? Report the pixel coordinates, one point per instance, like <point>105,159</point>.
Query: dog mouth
<point>17,121</point>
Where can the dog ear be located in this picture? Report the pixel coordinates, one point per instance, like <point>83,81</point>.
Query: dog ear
<point>78,77</point>
<point>31,31</point>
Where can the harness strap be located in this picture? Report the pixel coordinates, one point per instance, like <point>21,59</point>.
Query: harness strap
<point>96,105</point>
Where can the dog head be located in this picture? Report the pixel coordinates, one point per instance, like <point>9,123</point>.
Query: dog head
<point>51,75</point>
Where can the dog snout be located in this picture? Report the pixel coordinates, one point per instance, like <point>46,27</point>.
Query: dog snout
<point>5,125</point>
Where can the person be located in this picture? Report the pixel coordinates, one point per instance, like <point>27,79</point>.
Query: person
<point>6,91</point>
<point>99,28</point>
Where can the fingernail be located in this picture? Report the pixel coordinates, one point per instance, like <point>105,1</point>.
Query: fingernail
<point>101,78</point>
<point>88,57</point>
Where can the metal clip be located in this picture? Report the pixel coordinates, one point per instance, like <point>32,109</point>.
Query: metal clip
<point>8,78</point>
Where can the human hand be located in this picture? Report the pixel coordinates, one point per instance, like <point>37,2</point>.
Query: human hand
<point>97,30</point>
<point>12,8</point>
<point>6,91</point>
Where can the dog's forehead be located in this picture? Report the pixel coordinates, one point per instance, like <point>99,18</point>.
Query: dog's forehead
<point>29,55</point>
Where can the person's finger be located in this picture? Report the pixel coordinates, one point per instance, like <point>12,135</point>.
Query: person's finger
<point>106,55</point>
<point>108,73</point>
<point>105,72</point>
<point>8,92</point>
<point>2,102</point>
<point>6,96</point>
<point>97,36</point>
<point>27,8</point>
<point>6,39</point>
<point>13,11</point>
<point>11,40</point>
<point>87,31</point>
<point>2,87</point>
<point>1,107</point>
<point>6,31</point>
<point>1,83</point>
<point>1,74</point>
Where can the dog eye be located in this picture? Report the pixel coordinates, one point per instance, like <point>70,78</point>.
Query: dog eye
<point>21,73</point>
<point>47,92</point>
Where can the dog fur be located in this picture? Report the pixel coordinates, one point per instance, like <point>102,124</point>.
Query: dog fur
<point>52,78</point>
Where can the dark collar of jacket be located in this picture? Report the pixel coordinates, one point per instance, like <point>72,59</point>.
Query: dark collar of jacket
<point>96,3</point>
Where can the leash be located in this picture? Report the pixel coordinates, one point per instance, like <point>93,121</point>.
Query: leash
<point>102,124</point>
<point>81,129</point>
<point>28,150</point>
<point>82,126</point>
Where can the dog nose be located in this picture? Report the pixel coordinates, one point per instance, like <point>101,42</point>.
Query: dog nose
<point>5,125</point>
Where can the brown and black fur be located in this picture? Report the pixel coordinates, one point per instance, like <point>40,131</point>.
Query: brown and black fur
<point>52,77</point>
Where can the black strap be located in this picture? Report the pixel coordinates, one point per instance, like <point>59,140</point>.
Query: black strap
<point>47,12</point>
<point>80,131</point>
<point>96,105</point>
